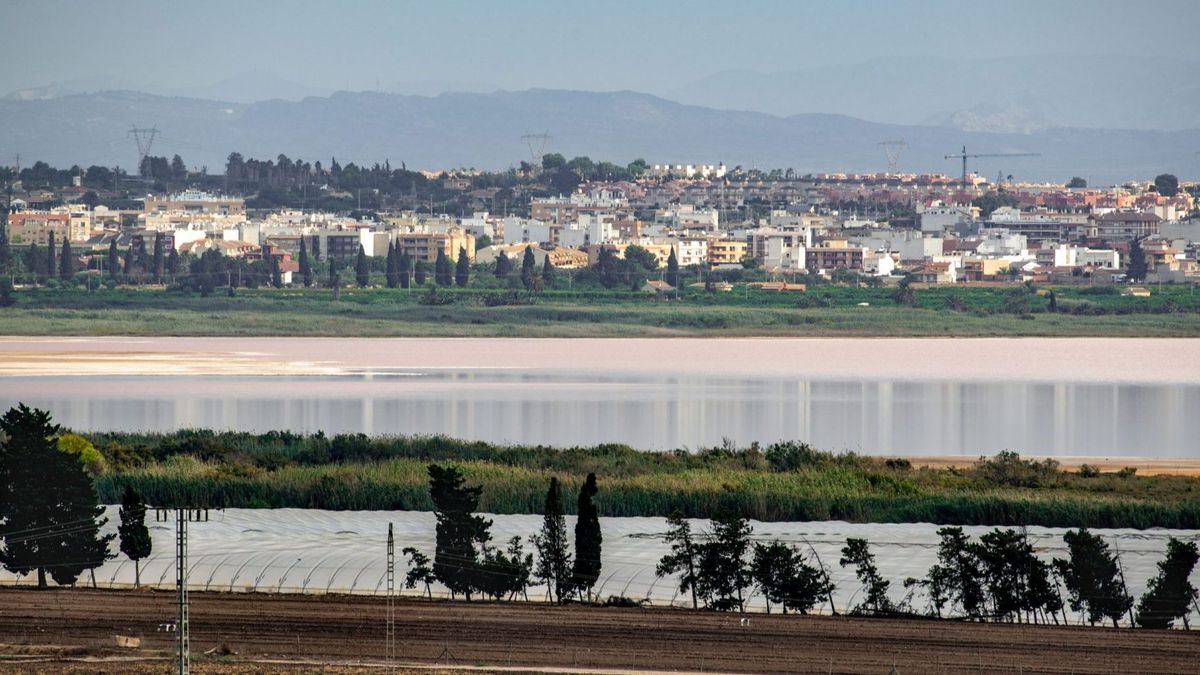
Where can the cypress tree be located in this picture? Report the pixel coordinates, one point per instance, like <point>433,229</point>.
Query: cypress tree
<point>5,246</point>
<point>362,273</point>
<point>333,275</point>
<point>392,274</point>
<point>462,268</point>
<point>547,271</point>
<point>528,264</point>
<point>442,276</point>
<point>66,262</point>
<point>588,538</point>
<point>51,264</point>
<point>672,277</point>
<point>113,260</point>
<point>419,273</point>
<point>306,272</point>
<point>1137,268</point>
<point>172,262</point>
<point>503,265</point>
<point>159,263</point>
<point>276,272</point>
<point>135,537</point>
<point>316,248</point>
<point>47,492</point>
<point>404,270</point>
<point>127,268</point>
<point>554,561</point>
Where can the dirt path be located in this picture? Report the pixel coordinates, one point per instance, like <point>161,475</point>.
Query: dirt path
<point>344,631</point>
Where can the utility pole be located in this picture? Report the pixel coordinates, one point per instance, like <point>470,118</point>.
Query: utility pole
<point>391,599</point>
<point>182,516</point>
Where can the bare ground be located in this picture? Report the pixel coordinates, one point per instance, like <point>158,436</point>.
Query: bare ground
<point>73,631</point>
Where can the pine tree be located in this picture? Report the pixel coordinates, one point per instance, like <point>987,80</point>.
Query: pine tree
<point>1092,577</point>
<point>683,556</point>
<point>672,276</point>
<point>1170,594</point>
<point>113,259</point>
<point>588,538</point>
<point>441,269</point>
<point>306,271</point>
<point>547,271</point>
<point>462,269</point>
<point>459,532</point>
<point>554,560</point>
<point>51,264</point>
<point>159,263</point>
<point>503,265</point>
<point>723,575</point>
<point>52,518</point>
<point>784,578</point>
<point>362,272</point>
<point>857,553</point>
<point>135,537</point>
<point>66,262</point>
<point>419,571</point>
<point>405,270</point>
<point>528,265</point>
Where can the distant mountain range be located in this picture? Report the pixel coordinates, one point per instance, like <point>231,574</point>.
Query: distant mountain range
<point>484,130</point>
<point>1113,92</point>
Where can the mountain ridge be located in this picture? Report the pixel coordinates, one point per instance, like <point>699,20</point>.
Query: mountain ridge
<point>483,130</point>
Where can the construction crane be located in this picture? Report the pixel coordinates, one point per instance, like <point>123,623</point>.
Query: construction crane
<point>963,156</point>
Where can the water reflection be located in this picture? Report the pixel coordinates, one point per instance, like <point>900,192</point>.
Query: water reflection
<point>871,416</point>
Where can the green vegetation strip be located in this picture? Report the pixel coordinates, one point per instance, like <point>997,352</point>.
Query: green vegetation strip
<point>787,481</point>
<point>823,310</point>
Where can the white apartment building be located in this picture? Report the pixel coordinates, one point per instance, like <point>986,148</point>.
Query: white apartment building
<point>939,217</point>
<point>528,231</point>
<point>686,170</point>
<point>690,251</point>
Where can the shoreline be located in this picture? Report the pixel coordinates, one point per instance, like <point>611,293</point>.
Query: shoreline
<point>1102,360</point>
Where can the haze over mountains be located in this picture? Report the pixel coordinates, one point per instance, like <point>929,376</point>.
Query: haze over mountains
<point>777,120</point>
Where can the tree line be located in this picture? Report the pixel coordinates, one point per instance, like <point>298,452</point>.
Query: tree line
<point>50,522</point>
<point>467,563</point>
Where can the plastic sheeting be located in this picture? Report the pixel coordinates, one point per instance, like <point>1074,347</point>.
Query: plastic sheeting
<point>314,551</point>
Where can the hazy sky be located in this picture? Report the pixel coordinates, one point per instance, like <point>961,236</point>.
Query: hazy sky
<point>610,44</point>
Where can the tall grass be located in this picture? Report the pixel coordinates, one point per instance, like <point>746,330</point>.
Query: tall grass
<point>782,482</point>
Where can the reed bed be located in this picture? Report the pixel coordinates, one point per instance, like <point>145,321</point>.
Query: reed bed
<point>787,481</point>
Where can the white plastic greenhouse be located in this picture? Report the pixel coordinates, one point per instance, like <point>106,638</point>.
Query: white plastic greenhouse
<point>313,551</point>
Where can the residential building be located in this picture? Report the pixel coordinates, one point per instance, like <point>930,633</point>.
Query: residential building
<point>1124,225</point>
<point>196,201</point>
<point>35,227</point>
<point>726,251</point>
<point>425,245</point>
<point>834,254</point>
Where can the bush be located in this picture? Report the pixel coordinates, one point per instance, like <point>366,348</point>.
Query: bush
<point>1088,471</point>
<point>89,456</point>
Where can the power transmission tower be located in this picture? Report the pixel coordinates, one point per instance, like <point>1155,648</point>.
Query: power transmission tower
<point>391,599</point>
<point>537,145</point>
<point>892,150</point>
<point>145,140</point>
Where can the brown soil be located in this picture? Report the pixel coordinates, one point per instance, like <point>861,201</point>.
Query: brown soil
<point>52,631</point>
